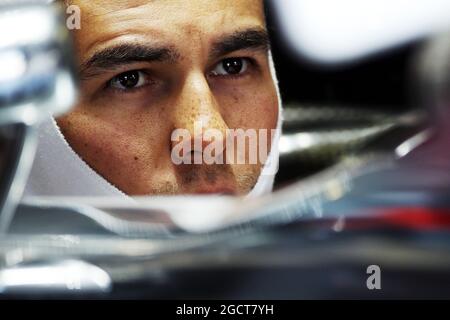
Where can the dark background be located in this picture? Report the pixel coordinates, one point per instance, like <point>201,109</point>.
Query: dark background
<point>381,83</point>
<point>378,82</point>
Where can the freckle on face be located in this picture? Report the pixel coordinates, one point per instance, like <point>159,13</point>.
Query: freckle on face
<point>131,149</point>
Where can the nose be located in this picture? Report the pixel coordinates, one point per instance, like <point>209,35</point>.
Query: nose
<point>198,116</point>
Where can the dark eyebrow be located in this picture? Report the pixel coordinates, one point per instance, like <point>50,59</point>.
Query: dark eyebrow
<point>123,54</point>
<point>256,38</point>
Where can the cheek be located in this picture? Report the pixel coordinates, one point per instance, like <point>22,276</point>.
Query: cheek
<point>114,151</point>
<point>257,109</point>
<point>95,139</point>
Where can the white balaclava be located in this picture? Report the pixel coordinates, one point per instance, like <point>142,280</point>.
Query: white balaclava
<point>59,171</point>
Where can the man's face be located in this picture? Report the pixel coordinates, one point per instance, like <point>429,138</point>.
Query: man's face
<point>148,67</point>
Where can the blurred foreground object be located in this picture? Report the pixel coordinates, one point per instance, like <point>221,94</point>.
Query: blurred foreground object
<point>386,205</point>
<point>37,80</point>
<point>328,31</point>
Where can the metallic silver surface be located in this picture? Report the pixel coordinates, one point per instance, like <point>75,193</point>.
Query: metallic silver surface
<point>57,277</point>
<point>37,79</point>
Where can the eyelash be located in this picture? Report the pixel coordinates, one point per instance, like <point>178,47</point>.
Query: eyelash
<point>251,63</point>
<point>109,85</point>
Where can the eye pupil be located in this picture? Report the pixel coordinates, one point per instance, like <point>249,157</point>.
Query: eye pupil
<point>129,79</point>
<point>232,65</point>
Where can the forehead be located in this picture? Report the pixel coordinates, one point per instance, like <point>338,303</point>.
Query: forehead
<point>105,21</point>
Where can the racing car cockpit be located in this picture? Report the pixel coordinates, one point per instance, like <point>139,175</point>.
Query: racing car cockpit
<point>362,186</point>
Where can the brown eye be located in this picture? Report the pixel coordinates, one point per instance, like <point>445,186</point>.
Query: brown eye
<point>231,66</point>
<point>129,80</point>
